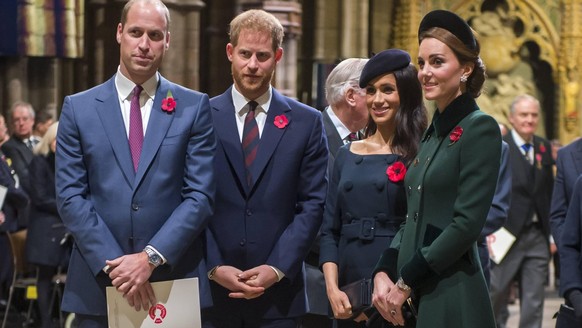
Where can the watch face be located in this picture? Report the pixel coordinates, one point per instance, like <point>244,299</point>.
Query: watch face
<point>155,259</point>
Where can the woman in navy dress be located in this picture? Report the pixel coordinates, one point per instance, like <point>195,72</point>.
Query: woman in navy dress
<point>366,200</point>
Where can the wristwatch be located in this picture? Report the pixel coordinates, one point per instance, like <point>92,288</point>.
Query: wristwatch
<point>402,286</point>
<point>153,257</point>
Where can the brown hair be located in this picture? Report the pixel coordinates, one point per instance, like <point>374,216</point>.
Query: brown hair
<point>260,21</point>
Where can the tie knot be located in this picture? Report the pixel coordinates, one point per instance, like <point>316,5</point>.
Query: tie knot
<point>252,105</point>
<point>526,147</point>
<point>137,90</point>
<point>353,136</point>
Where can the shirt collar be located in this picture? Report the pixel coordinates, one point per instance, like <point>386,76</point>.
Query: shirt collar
<point>125,86</point>
<point>337,123</point>
<point>240,102</point>
<point>518,139</point>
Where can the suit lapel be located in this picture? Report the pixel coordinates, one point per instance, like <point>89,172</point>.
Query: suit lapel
<point>110,115</point>
<point>227,131</point>
<point>577,156</point>
<point>271,134</point>
<point>157,129</point>
<point>518,160</point>
<point>334,140</point>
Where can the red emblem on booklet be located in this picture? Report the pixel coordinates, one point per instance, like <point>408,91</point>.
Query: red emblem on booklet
<point>158,312</point>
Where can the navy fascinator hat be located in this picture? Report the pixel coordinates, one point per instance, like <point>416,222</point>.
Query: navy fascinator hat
<point>451,22</point>
<point>386,61</point>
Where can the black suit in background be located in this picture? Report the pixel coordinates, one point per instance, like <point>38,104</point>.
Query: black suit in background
<point>16,200</point>
<point>20,156</point>
<point>529,255</point>
<point>45,231</point>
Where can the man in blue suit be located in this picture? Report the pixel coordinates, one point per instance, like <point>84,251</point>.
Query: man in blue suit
<point>272,159</point>
<point>137,214</point>
<point>569,167</point>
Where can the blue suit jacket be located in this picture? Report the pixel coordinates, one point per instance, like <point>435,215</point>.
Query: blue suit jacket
<point>569,166</point>
<point>112,210</point>
<point>275,220</point>
<point>570,248</point>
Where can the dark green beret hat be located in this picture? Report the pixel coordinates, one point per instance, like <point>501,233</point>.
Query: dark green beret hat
<point>451,22</point>
<point>386,61</point>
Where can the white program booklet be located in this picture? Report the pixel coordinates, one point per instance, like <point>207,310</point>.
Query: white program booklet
<point>3,192</point>
<point>178,307</point>
<point>499,244</point>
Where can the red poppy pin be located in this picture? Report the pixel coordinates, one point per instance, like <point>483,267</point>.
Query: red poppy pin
<point>542,148</point>
<point>396,172</point>
<point>168,103</point>
<point>281,121</point>
<point>456,134</point>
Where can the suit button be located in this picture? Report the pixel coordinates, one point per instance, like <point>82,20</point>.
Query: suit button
<point>415,216</point>
<point>243,242</point>
<point>134,207</point>
<point>249,212</point>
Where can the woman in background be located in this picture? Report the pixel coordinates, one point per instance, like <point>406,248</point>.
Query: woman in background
<point>449,185</point>
<point>366,201</point>
<point>46,245</point>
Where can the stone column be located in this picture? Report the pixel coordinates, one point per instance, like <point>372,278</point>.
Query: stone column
<point>353,35</point>
<point>181,62</point>
<point>570,75</point>
<point>327,26</point>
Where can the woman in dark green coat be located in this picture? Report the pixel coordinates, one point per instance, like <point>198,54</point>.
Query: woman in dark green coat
<point>449,186</point>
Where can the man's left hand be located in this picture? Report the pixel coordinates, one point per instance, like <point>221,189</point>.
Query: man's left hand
<point>129,272</point>
<point>261,276</point>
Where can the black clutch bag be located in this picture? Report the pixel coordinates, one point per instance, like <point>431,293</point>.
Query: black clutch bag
<point>360,295</point>
<point>566,318</point>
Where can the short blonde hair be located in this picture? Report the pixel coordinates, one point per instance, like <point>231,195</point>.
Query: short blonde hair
<point>44,146</point>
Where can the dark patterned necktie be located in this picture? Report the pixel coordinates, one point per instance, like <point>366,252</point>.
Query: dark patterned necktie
<point>526,147</point>
<point>29,143</point>
<point>250,140</point>
<point>135,127</point>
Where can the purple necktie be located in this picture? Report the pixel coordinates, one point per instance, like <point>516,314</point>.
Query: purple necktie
<point>135,127</point>
<point>250,140</point>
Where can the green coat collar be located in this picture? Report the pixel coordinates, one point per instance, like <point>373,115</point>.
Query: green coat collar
<point>457,110</point>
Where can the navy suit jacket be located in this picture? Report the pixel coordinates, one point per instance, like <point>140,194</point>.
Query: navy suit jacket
<point>500,205</point>
<point>569,167</point>
<point>570,248</point>
<point>112,210</point>
<point>275,220</point>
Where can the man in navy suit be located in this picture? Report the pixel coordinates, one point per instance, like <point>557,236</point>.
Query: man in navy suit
<point>569,167</point>
<point>137,214</point>
<point>571,252</point>
<point>272,159</point>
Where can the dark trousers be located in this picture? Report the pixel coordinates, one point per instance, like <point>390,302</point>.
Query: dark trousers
<point>90,321</point>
